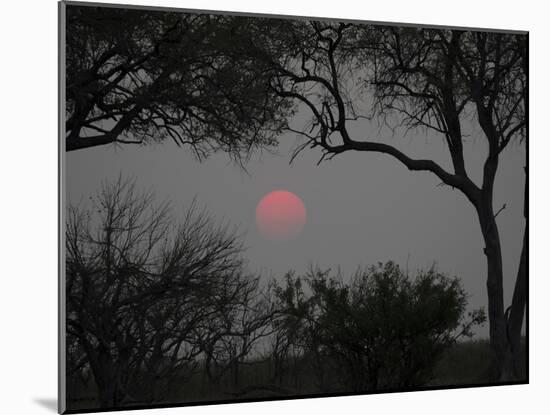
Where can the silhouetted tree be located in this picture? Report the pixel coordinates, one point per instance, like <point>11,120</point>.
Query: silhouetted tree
<point>437,78</point>
<point>137,76</point>
<point>382,330</point>
<point>231,83</point>
<point>238,331</point>
<point>431,78</point>
<point>143,291</point>
<point>290,332</point>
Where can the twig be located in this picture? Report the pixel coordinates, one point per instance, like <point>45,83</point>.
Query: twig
<point>500,210</point>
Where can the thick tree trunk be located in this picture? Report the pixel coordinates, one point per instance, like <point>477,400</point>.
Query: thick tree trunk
<point>107,394</point>
<point>106,379</point>
<point>517,311</point>
<point>502,356</point>
<point>519,301</point>
<point>103,372</point>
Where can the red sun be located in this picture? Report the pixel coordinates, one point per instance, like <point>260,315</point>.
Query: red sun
<point>280,215</point>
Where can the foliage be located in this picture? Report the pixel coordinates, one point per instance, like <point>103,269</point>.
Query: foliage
<point>383,330</point>
<point>137,76</point>
<point>154,298</point>
<point>144,294</point>
<point>152,303</point>
<point>435,79</point>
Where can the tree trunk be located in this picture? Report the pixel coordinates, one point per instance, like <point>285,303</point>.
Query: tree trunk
<point>502,365</point>
<point>519,301</point>
<point>517,311</point>
<point>107,394</point>
<point>235,368</point>
<point>106,386</point>
<point>106,379</point>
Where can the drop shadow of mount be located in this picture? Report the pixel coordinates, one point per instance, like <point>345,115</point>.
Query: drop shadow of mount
<point>48,403</point>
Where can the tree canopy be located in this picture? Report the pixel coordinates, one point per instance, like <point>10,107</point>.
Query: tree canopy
<point>432,78</point>
<point>382,330</point>
<point>146,296</point>
<point>140,76</point>
<point>231,83</point>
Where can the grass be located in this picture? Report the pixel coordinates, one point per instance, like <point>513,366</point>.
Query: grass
<point>465,363</point>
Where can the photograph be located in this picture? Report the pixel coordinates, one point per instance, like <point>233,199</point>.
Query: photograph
<point>263,207</point>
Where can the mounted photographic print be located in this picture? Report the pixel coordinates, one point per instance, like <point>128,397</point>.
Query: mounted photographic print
<point>260,207</point>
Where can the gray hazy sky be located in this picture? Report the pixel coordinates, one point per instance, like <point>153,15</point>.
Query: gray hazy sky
<point>361,207</point>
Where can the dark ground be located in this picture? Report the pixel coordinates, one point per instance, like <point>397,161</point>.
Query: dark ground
<point>465,363</point>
